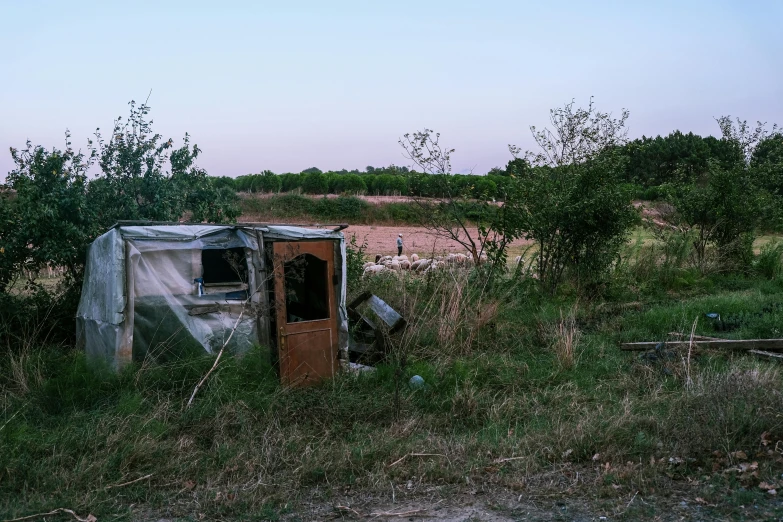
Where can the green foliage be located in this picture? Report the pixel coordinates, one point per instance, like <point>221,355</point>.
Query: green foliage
<point>55,212</point>
<point>723,209</point>
<point>355,259</point>
<point>572,203</point>
<point>315,183</point>
<point>578,215</point>
<point>486,233</point>
<point>676,158</point>
<point>348,184</point>
<point>50,219</point>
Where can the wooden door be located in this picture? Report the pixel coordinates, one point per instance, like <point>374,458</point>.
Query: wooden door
<point>306,311</point>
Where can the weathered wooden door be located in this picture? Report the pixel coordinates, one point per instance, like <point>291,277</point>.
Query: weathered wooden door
<point>306,311</point>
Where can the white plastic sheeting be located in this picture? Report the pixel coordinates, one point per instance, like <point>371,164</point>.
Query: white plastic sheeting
<point>139,298</point>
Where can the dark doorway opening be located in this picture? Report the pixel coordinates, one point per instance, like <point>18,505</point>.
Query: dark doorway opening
<point>306,290</point>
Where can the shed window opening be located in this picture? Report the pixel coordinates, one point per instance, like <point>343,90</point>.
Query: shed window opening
<point>306,289</point>
<point>224,267</point>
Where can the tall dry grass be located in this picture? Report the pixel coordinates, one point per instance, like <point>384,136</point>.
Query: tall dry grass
<point>564,338</point>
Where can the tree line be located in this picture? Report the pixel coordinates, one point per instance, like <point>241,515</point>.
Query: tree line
<point>649,167</point>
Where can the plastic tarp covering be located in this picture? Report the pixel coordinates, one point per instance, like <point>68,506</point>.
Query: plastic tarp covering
<point>170,317</point>
<point>101,310</point>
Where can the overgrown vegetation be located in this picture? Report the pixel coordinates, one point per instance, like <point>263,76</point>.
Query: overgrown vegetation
<point>518,384</point>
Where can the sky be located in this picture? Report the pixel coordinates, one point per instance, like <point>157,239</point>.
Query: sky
<point>285,86</point>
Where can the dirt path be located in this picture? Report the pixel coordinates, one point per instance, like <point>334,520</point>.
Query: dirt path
<point>419,240</point>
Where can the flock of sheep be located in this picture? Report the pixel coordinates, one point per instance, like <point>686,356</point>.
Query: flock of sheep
<point>399,263</point>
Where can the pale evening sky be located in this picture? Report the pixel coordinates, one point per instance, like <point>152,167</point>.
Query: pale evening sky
<point>290,85</point>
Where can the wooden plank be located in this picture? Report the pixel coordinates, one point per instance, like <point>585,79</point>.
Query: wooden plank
<point>775,345</point>
<point>206,309</point>
<point>387,314</point>
<point>124,355</point>
<point>359,300</point>
<point>696,337</point>
<point>760,353</point>
<point>259,295</point>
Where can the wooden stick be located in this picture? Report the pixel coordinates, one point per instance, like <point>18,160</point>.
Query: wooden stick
<point>90,518</point>
<point>346,508</point>
<point>415,455</point>
<point>217,360</point>
<point>725,344</point>
<point>697,337</point>
<point>131,482</point>
<point>403,514</point>
<point>507,459</point>
<point>766,354</point>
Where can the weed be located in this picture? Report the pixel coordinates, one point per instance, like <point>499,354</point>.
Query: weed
<point>769,263</point>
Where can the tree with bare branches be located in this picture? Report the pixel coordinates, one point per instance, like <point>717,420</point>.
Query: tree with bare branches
<point>482,229</point>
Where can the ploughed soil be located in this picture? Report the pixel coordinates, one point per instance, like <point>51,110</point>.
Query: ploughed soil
<point>418,240</point>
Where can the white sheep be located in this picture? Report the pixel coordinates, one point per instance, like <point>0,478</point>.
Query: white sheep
<point>405,264</point>
<point>435,265</point>
<point>414,258</point>
<point>421,264</point>
<point>375,269</point>
<point>368,264</point>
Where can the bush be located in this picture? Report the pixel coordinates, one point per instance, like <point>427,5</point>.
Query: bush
<point>347,208</point>
<point>354,260</point>
<point>724,209</point>
<point>579,217</point>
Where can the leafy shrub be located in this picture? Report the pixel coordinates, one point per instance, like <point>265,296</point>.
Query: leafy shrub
<point>354,259</point>
<point>348,208</point>
<point>724,209</point>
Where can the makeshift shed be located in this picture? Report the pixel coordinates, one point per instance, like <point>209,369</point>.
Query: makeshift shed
<point>162,291</point>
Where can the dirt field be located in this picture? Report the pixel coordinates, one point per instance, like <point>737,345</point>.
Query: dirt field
<point>419,240</point>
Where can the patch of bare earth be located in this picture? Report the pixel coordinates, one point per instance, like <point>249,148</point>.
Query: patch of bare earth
<point>419,240</point>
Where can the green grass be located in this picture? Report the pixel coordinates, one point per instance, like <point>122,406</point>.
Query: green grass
<point>74,435</point>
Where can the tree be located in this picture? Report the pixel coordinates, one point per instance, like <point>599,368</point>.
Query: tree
<point>315,183</point>
<point>571,203</point>
<point>48,220</point>
<point>270,182</point>
<point>55,212</point>
<point>723,209</point>
<point>744,136</point>
<point>136,185</point>
<point>767,165</point>
<point>485,234</point>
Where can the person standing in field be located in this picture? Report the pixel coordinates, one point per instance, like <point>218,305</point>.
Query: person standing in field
<point>399,245</point>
